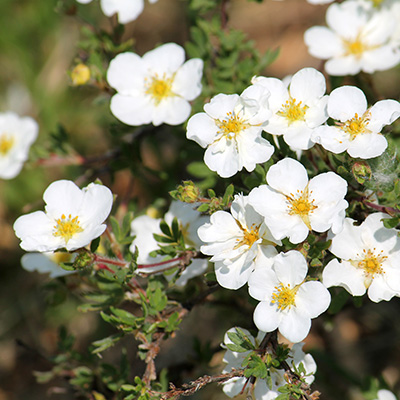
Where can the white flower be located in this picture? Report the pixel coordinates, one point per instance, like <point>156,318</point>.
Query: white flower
<point>231,130</point>
<point>358,39</point>
<point>72,218</point>
<point>127,10</point>
<point>16,136</point>
<point>384,394</point>
<point>359,127</point>
<point>239,243</point>
<point>234,386</point>
<point>370,259</point>
<point>144,227</point>
<point>287,301</point>
<point>155,88</point>
<point>292,205</point>
<point>298,109</point>
<point>47,263</point>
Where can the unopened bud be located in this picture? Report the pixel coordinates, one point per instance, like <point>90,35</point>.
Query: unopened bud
<point>83,259</point>
<point>188,192</point>
<point>80,74</point>
<point>361,172</point>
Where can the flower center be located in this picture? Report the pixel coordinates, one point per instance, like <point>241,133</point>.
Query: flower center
<point>249,236</point>
<point>293,111</point>
<point>372,264</point>
<point>284,296</point>
<point>185,233</point>
<point>231,126</point>
<point>6,143</point>
<point>357,125</point>
<point>301,205</point>
<point>376,3</point>
<point>67,227</point>
<point>159,88</point>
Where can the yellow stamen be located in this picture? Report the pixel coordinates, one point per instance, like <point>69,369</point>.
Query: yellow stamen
<point>231,126</point>
<point>301,205</point>
<point>356,126</point>
<point>6,143</point>
<point>159,88</point>
<point>372,264</point>
<point>249,236</point>
<point>284,296</point>
<point>67,227</point>
<point>292,111</point>
<point>356,47</point>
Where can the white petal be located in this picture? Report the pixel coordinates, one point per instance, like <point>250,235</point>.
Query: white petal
<point>322,42</point>
<point>348,243</point>
<point>383,113</point>
<point>225,163</point>
<point>126,73</point>
<point>343,65</point>
<point>313,298</point>
<point>187,81</point>
<point>133,111</point>
<point>331,138</point>
<point>63,197</point>
<point>202,129</point>
<point>290,268</point>
<point>307,85</point>
<point>367,145</point>
<point>287,176</point>
<point>267,317</point>
<point>96,205</point>
<point>165,59</point>
<point>220,105</point>
<point>172,110</point>
<point>345,275</point>
<point>295,325</point>
<point>346,101</point>
<point>127,10</point>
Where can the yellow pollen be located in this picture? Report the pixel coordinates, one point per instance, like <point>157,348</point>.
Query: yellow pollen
<point>6,143</point>
<point>231,126</point>
<point>158,88</point>
<point>249,236</point>
<point>376,3</point>
<point>372,264</point>
<point>67,227</point>
<point>301,205</point>
<point>284,296</point>
<point>356,126</point>
<point>292,111</point>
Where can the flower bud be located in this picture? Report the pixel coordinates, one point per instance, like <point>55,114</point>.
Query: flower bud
<point>80,75</point>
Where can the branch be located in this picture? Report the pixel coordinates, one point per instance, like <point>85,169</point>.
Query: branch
<point>188,389</point>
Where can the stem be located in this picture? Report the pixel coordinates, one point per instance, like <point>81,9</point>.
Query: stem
<point>106,260</point>
<point>177,259</point>
<point>389,210</point>
<point>188,389</point>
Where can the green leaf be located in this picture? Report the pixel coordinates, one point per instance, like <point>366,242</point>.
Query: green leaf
<point>94,245</point>
<point>165,229</point>
<point>103,344</point>
<point>255,366</point>
<point>390,223</point>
